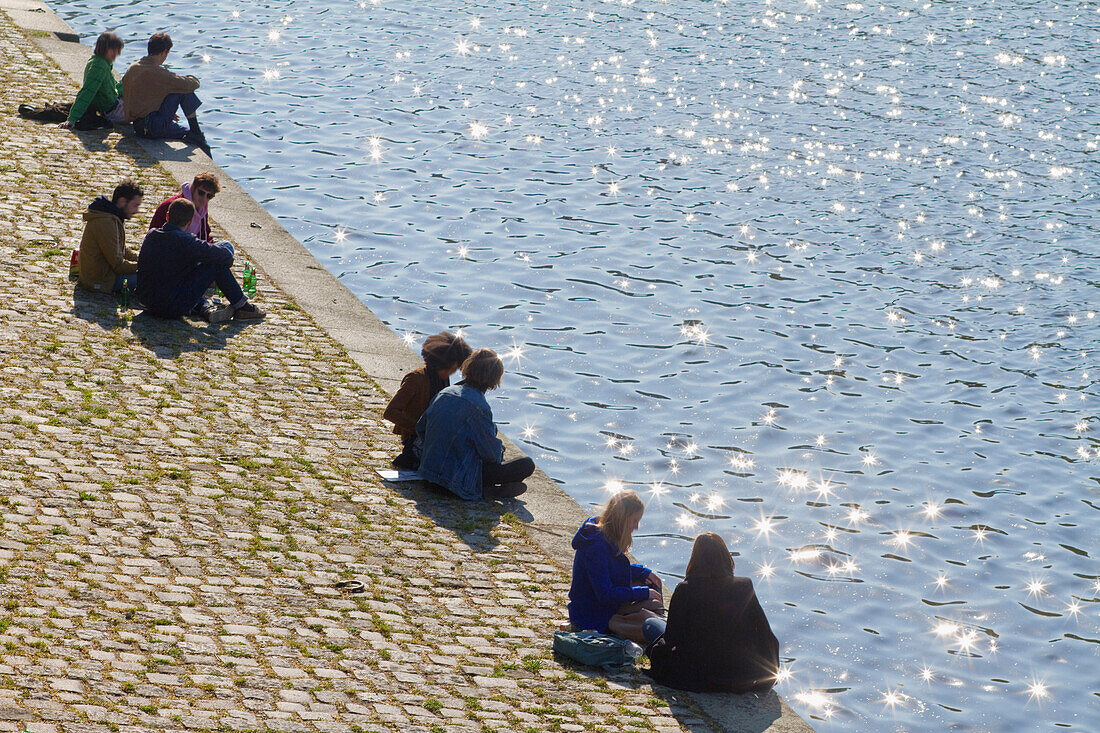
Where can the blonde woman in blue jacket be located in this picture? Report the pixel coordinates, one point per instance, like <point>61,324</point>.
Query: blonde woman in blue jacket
<point>609,593</point>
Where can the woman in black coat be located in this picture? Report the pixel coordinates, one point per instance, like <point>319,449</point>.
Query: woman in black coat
<point>717,638</point>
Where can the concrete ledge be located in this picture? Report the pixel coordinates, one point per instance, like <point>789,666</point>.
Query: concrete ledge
<point>551,515</point>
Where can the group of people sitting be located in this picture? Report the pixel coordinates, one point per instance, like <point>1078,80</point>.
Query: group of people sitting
<point>178,260</point>
<point>447,432</point>
<point>148,97</point>
<point>715,637</point>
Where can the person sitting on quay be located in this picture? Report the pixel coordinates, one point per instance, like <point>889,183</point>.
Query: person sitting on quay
<point>153,94</point>
<point>717,638</point>
<point>98,100</point>
<point>97,104</point>
<point>105,261</point>
<point>608,593</point>
<point>460,448</point>
<point>200,192</point>
<point>443,354</point>
<point>175,267</point>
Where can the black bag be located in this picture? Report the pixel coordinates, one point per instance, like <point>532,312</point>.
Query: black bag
<point>58,112</point>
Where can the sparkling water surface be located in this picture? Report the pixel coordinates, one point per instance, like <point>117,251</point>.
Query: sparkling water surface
<point>818,276</point>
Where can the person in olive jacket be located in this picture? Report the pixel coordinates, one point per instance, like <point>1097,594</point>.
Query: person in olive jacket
<point>105,261</point>
<point>717,638</point>
<point>443,354</point>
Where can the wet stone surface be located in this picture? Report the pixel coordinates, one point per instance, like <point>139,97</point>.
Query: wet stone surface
<point>178,500</point>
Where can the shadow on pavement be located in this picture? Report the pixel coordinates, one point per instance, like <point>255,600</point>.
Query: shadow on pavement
<point>472,521</point>
<point>166,338</point>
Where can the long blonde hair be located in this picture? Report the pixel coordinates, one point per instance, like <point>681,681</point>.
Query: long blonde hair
<point>613,520</point>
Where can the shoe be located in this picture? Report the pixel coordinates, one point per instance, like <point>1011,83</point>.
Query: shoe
<point>504,491</point>
<point>198,140</point>
<point>220,315</point>
<point>248,312</point>
<point>405,462</point>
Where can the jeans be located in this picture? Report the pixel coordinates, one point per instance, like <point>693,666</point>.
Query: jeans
<point>508,472</point>
<point>193,287</point>
<point>653,629</point>
<point>131,278</point>
<point>160,125</point>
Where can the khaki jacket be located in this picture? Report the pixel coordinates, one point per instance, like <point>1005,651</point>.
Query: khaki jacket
<point>146,84</point>
<point>103,251</point>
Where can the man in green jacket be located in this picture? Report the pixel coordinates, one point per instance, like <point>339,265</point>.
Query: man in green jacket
<point>99,94</point>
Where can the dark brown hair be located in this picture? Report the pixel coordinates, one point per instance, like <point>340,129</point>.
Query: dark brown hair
<point>106,42</point>
<point>181,212</point>
<point>445,350</point>
<point>159,43</point>
<point>207,181</point>
<point>126,190</point>
<point>483,370</point>
<point>613,520</point>
<point>710,558</point>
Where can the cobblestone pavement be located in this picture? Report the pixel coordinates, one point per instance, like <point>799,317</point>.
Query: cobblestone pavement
<point>177,501</point>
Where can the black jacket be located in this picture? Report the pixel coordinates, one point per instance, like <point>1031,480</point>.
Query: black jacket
<point>168,257</point>
<point>718,639</point>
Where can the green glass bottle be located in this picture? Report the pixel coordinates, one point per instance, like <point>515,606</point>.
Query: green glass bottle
<point>125,293</point>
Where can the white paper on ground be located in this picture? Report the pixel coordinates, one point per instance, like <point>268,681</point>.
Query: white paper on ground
<point>399,477</point>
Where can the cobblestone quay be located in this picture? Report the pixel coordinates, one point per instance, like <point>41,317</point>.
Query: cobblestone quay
<point>178,501</point>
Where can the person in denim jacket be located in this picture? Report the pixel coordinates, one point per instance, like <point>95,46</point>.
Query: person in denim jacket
<point>460,450</point>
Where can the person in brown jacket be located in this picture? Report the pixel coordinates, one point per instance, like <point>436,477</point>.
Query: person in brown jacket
<point>443,354</point>
<point>152,94</point>
<point>105,260</point>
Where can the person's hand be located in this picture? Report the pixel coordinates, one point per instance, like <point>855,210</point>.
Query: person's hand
<point>655,595</point>
<point>653,581</point>
<point>65,125</point>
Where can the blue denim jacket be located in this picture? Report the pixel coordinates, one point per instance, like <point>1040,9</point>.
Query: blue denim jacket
<point>457,433</point>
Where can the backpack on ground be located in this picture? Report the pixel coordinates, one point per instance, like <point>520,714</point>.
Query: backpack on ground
<point>593,649</point>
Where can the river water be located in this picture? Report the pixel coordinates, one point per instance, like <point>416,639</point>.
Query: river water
<point>818,276</point>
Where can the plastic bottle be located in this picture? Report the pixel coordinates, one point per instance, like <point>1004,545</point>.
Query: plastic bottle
<point>633,650</point>
<point>125,293</point>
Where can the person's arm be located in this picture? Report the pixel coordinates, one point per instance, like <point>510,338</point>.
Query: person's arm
<point>678,617</point>
<point>92,81</point>
<point>176,84</point>
<point>756,620</point>
<point>206,252</point>
<point>111,247</point>
<point>597,568</point>
<point>160,216</point>
<point>397,409</point>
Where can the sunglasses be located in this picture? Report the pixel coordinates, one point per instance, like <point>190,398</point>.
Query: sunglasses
<point>205,193</point>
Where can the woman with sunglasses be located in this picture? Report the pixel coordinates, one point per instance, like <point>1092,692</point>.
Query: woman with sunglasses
<point>199,192</point>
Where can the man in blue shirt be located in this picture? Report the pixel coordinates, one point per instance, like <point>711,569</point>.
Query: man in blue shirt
<point>175,268</point>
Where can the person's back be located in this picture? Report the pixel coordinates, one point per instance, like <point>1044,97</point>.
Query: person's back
<point>457,433</point>
<point>717,639</point>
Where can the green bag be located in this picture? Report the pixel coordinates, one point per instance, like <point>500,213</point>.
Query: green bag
<point>593,649</point>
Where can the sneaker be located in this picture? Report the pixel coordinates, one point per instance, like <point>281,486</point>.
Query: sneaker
<point>248,312</point>
<point>504,491</point>
<point>219,315</point>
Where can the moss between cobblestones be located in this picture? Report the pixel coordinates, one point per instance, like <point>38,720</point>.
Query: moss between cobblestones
<point>177,500</point>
